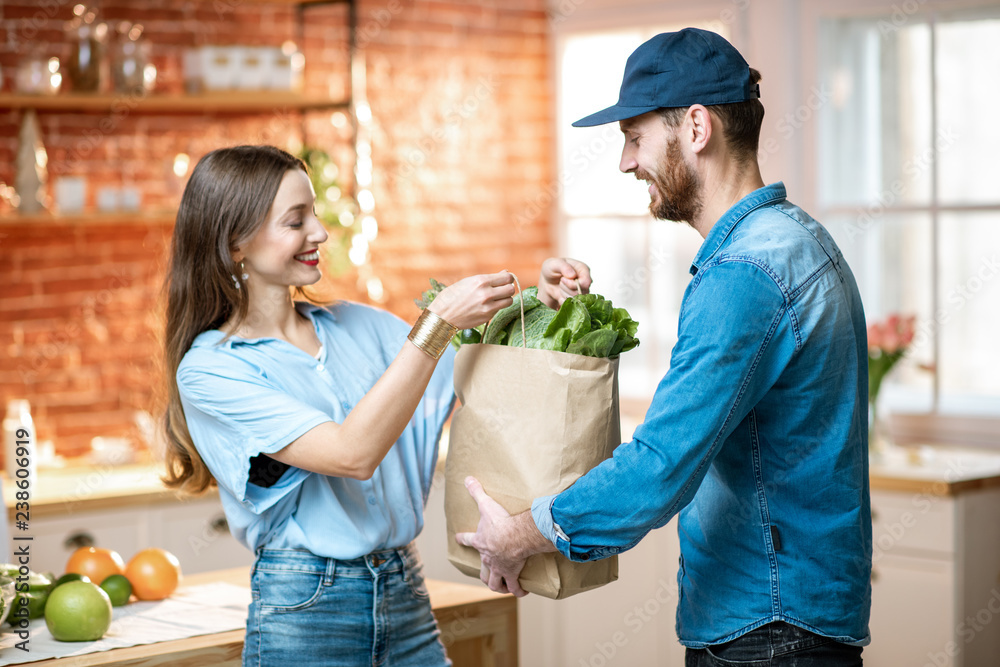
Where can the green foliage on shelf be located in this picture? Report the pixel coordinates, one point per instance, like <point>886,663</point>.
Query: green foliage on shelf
<point>337,212</point>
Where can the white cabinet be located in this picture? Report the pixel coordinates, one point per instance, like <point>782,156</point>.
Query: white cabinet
<point>197,533</point>
<point>936,572</point>
<point>55,538</point>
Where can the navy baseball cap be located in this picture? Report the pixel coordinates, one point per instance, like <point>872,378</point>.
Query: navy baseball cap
<point>678,69</point>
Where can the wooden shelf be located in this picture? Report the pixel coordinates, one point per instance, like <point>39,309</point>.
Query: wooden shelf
<point>298,2</point>
<point>102,218</point>
<point>238,102</point>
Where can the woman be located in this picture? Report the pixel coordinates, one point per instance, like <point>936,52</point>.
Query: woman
<point>319,425</point>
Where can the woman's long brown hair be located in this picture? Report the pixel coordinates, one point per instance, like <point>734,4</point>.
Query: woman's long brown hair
<point>225,202</point>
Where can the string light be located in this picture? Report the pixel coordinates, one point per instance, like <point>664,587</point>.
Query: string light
<point>364,178</point>
<point>181,163</point>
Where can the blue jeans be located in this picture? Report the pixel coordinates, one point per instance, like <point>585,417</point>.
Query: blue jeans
<point>776,645</point>
<point>308,610</point>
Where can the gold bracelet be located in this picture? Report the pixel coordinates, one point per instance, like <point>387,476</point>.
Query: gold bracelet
<point>432,334</point>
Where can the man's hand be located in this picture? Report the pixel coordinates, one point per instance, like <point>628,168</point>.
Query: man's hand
<point>562,278</point>
<point>504,542</point>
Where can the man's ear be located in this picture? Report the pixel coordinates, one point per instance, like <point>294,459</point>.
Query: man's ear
<point>698,127</point>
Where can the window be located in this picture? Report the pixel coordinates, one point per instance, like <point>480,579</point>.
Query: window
<point>899,164</point>
<point>908,185</point>
<point>639,263</point>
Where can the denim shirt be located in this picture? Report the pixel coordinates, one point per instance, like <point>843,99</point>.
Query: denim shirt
<point>756,437</point>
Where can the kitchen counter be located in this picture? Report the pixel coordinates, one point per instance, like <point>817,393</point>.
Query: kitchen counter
<point>478,627</point>
<point>941,471</point>
<point>60,491</point>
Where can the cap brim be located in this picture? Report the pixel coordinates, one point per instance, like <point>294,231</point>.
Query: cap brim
<point>612,114</point>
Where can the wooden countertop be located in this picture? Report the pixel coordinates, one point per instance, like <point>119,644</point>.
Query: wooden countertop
<point>60,491</point>
<point>943,471</point>
<point>480,612</point>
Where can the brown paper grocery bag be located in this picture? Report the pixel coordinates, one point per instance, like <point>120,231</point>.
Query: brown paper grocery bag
<point>530,422</point>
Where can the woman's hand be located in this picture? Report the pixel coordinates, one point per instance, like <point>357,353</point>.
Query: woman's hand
<point>562,278</point>
<point>473,300</point>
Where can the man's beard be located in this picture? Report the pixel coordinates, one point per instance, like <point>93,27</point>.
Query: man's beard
<point>677,185</point>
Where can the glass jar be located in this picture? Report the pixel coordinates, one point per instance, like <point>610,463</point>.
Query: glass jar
<point>131,71</point>
<point>37,74</point>
<point>86,36</point>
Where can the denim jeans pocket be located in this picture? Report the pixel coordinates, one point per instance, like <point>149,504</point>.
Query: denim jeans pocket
<point>715,660</point>
<point>752,649</point>
<point>413,572</point>
<point>283,590</point>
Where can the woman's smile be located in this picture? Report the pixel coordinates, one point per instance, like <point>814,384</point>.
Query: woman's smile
<point>310,258</point>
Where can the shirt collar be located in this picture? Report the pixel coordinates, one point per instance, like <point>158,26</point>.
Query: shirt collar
<point>765,196</point>
<point>217,337</point>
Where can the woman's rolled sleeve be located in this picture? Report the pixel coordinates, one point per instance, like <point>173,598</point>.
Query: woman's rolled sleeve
<point>232,420</point>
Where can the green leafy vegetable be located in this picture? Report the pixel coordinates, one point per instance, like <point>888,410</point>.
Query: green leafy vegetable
<point>536,321</point>
<point>596,343</point>
<point>428,296</point>
<point>496,330</point>
<point>572,315</point>
<point>586,324</point>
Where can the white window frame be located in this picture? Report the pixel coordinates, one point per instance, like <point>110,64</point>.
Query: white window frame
<point>780,39</point>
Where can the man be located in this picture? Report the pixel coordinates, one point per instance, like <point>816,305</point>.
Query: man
<point>757,435</point>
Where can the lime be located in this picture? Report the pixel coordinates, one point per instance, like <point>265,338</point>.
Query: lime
<point>467,336</point>
<point>118,589</point>
<point>36,601</point>
<point>71,576</point>
<point>78,611</point>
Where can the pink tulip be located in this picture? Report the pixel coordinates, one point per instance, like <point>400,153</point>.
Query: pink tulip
<point>894,334</point>
<point>908,329</point>
<point>874,336</point>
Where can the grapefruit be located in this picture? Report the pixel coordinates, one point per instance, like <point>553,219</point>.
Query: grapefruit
<point>154,574</point>
<point>95,563</point>
<point>78,611</point>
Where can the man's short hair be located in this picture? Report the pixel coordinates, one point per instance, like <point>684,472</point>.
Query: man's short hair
<point>741,122</point>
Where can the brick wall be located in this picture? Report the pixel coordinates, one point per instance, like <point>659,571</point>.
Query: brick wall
<point>461,143</point>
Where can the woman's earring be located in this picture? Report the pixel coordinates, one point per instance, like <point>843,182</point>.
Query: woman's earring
<point>244,275</point>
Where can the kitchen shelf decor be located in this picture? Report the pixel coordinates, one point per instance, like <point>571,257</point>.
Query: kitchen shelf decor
<point>234,102</point>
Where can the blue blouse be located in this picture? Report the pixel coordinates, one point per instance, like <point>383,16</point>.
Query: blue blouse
<point>245,397</point>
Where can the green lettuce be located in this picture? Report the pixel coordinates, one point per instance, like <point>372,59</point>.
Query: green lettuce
<point>586,324</point>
